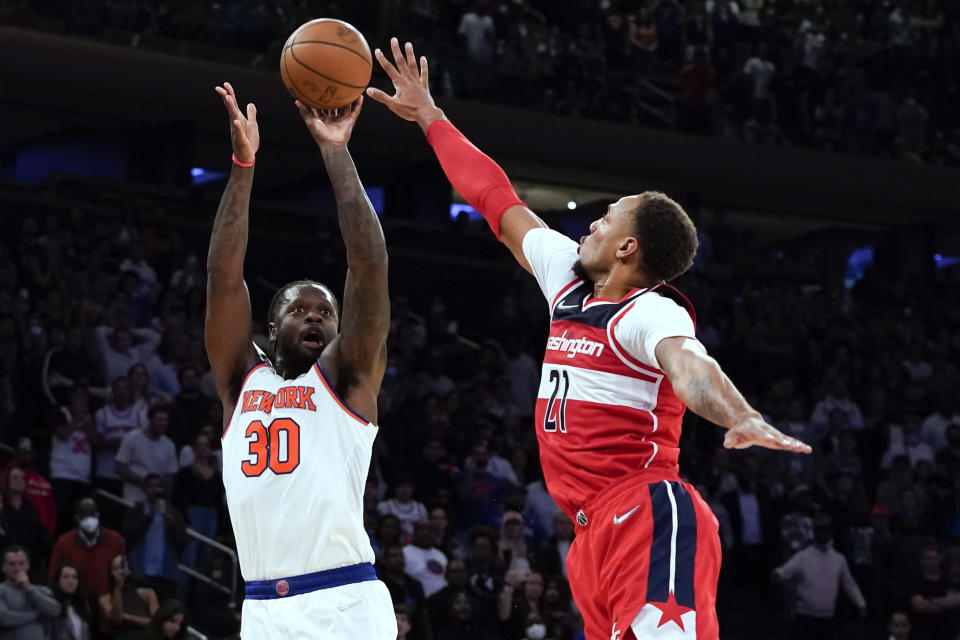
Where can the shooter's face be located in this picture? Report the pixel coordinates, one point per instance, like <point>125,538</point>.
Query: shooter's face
<point>610,237</point>
<point>306,323</point>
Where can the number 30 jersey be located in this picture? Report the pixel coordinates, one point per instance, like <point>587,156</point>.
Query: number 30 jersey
<point>605,410</point>
<point>295,462</point>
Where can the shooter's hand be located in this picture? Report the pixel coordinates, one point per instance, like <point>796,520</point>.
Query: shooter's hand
<point>330,126</point>
<point>244,131</point>
<point>756,432</point>
<point>412,100</point>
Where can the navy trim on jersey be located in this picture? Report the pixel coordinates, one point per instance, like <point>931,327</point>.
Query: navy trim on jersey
<point>658,579</point>
<point>297,585</point>
<point>341,401</point>
<point>570,307</point>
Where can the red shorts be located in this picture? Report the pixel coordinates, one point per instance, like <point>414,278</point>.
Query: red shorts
<point>646,563</point>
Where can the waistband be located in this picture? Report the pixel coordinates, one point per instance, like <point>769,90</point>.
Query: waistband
<point>600,500</point>
<point>296,585</point>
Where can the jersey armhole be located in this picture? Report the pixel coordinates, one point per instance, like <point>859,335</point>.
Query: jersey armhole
<point>336,397</point>
<point>246,377</point>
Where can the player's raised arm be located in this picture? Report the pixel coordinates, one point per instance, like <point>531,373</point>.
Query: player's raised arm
<point>474,174</point>
<point>361,352</point>
<point>702,385</point>
<point>228,323</point>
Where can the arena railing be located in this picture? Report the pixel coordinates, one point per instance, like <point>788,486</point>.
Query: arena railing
<point>193,573</point>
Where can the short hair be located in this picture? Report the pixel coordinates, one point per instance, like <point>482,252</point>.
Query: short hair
<point>667,236</point>
<point>14,548</point>
<point>278,296</point>
<point>481,531</point>
<point>158,408</point>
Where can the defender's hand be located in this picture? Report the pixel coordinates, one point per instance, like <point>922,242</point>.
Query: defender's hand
<point>756,432</point>
<point>330,127</point>
<point>244,130</point>
<point>412,100</point>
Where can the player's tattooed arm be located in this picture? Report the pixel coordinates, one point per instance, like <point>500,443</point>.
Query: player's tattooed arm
<point>701,384</point>
<point>365,318</point>
<point>228,323</point>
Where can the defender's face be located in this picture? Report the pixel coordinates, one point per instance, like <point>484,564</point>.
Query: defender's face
<point>306,322</point>
<point>598,251</point>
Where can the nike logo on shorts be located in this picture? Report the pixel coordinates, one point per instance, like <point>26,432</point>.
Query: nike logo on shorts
<point>344,607</point>
<point>619,520</point>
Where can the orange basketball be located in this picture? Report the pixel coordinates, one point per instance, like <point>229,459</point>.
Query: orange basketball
<point>326,63</point>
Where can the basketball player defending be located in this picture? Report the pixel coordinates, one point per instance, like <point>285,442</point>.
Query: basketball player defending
<point>622,363</point>
<point>300,421</point>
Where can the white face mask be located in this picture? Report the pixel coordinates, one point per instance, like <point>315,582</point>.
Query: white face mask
<point>90,524</point>
<point>537,631</point>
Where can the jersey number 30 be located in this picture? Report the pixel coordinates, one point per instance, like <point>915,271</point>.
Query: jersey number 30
<point>556,415</point>
<point>276,447</point>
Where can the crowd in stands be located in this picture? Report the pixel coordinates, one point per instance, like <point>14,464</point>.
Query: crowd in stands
<point>870,78</point>
<point>104,385</point>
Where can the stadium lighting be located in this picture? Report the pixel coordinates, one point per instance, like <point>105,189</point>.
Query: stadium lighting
<point>571,205</point>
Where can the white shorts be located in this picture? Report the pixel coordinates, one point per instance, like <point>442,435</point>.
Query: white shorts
<point>351,612</point>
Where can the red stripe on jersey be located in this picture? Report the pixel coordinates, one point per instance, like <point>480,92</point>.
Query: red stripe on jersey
<point>618,348</point>
<point>579,345</point>
<point>607,300</point>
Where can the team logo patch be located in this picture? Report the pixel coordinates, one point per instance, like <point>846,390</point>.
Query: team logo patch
<point>282,587</point>
<point>581,518</point>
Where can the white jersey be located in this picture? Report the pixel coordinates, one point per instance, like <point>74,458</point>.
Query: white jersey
<point>295,462</point>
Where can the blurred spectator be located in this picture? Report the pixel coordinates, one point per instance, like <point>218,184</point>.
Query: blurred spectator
<point>146,452</point>
<point>198,494</point>
<point>541,505</point>
<point>462,622</point>
<point>817,573</point>
<point>114,421</point>
<point>480,487</point>
<point>456,579</point>
<point>796,526</point>
<point>423,561</point>
<point>387,531</point>
<point>141,388</point>
<point>513,550</point>
<point>761,72</point>
<point>187,454</point>
<point>484,571</point>
<point>126,608</point>
<point>156,533</point>
<point>557,610</point>
<point>71,455</point>
<point>73,622</point>
<point>405,590</point>
<point>696,82</point>
<point>39,490</point>
<point>935,607</point>
<point>521,595</point>
<point>478,32</point>
<point>22,523</point>
<point>189,410</point>
<point>69,366</point>
<point>25,609</point>
<point>402,613</point>
<point>838,397</point>
<point>483,458</point>
<point>403,506</point>
<point>899,627</point>
<point>169,622</point>
<point>911,445</point>
<point>551,556</point>
<point>121,348</point>
<point>934,427</point>
<point>90,547</point>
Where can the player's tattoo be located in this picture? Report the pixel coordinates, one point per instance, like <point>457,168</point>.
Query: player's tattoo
<point>359,226</point>
<point>228,240</point>
<point>702,400</point>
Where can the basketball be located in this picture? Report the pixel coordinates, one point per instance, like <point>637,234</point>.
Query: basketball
<point>326,63</point>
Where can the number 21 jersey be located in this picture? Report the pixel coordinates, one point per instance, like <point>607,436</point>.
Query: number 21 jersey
<point>295,462</point>
<point>605,410</point>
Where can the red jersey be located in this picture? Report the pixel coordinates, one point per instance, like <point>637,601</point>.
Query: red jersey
<point>605,411</point>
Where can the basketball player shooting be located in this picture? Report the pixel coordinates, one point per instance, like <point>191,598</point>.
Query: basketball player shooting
<point>622,362</point>
<point>300,420</point>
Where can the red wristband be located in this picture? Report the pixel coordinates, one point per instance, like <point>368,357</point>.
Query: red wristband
<point>245,165</point>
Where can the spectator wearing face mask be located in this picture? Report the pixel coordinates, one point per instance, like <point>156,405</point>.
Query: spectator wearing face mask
<point>89,547</point>
<point>817,573</point>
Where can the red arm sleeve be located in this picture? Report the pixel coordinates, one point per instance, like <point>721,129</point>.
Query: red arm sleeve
<point>471,172</point>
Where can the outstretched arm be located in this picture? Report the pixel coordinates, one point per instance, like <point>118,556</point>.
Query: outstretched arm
<point>702,385</point>
<point>228,324</point>
<point>471,172</point>
<point>361,351</point>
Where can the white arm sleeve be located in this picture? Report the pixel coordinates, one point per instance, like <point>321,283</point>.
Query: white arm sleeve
<point>651,319</point>
<point>551,256</point>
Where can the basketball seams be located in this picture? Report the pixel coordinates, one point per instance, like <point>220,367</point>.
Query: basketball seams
<point>293,54</point>
<point>332,44</point>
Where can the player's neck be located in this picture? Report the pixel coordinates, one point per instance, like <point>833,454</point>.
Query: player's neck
<point>618,282</point>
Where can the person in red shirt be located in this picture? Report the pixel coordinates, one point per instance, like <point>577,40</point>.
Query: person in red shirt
<point>39,489</point>
<point>90,548</point>
<point>622,364</point>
